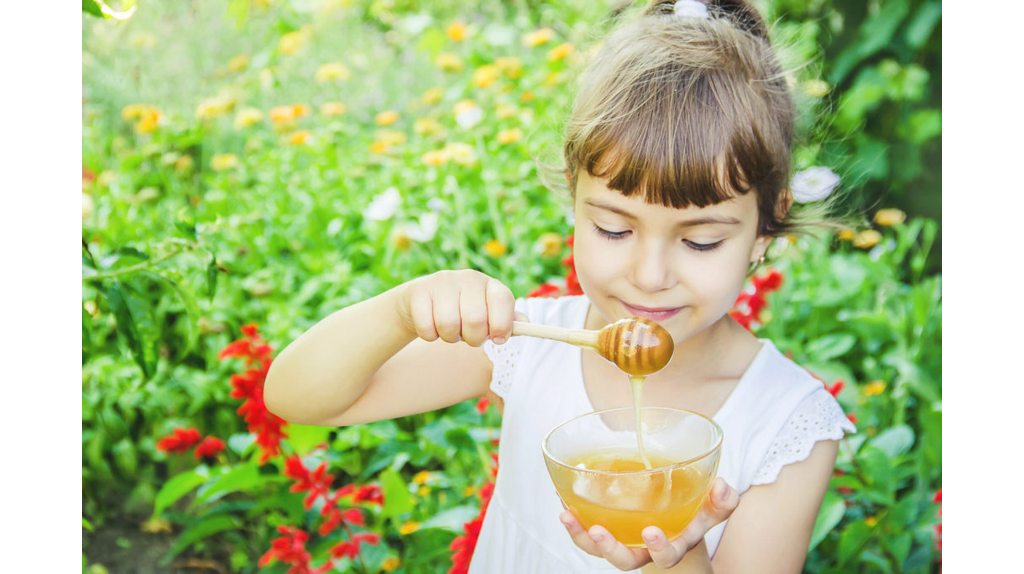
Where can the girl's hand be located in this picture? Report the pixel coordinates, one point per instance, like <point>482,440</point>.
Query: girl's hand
<point>721,502</point>
<point>457,306</point>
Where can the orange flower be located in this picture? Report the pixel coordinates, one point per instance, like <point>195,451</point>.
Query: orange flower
<point>889,217</point>
<point>282,114</point>
<point>390,564</point>
<point>538,37</point>
<point>560,51</point>
<point>300,137</point>
<point>510,136</point>
<point>867,238</point>
<point>408,528</point>
<point>527,97</point>
<point>550,244</point>
<point>847,235</point>
<point>874,388</point>
<point>149,121</point>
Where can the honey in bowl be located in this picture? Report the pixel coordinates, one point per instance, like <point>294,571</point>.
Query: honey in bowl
<point>598,473</point>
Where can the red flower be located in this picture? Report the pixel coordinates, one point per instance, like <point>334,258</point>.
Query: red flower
<point>336,516</point>
<point>248,386</point>
<point>291,549</point>
<point>751,301</point>
<point>463,546</point>
<point>545,290</point>
<point>852,417</point>
<point>209,448</point>
<point>316,483</point>
<point>938,527</point>
<point>835,388</point>
<point>482,404</point>
<point>179,442</point>
<point>350,548</point>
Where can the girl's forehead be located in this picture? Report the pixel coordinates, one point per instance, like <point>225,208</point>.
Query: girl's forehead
<point>594,192</point>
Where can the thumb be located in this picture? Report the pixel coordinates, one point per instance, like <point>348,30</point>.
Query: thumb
<point>520,316</point>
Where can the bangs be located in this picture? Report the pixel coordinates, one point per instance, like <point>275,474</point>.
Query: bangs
<point>683,147</point>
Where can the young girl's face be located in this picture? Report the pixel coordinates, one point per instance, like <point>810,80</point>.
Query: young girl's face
<point>683,268</point>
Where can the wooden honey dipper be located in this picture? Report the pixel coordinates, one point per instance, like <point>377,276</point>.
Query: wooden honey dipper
<point>636,345</point>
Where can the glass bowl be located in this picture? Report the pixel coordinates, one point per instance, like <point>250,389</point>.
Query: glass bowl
<point>597,470</point>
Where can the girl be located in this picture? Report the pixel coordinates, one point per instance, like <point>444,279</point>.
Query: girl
<point>678,157</point>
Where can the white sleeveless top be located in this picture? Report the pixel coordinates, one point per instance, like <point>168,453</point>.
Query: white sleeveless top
<point>772,418</point>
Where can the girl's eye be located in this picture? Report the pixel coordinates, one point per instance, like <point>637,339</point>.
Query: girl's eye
<point>702,246</point>
<point>610,234</point>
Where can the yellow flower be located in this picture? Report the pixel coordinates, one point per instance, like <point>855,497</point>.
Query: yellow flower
<point>149,121</point>
<point>282,114</point>
<point>461,153</point>
<point>867,238</point>
<point>505,111</point>
<point>560,51</point>
<point>133,111</point>
<point>300,110</point>
<point>88,206</point>
<point>421,477</point>
<point>511,66</point>
<point>456,31</point>
<point>551,79</point>
<point>510,136</point>
<point>183,164</point>
<point>224,161</point>
<point>436,157</point>
<point>847,235</point>
<point>291,42</point>
<point>300,137</point>
<point>378,147</point>
<point>391,138</point>
<point>870,521</point>
<point>495,248</point>
<point>432,96</point>
<point>408,528</point>
<point>550,244</point>
<point>332,109</point>
<point>215,107</point>
<point>331,72</point>
<point>874,388</point>
<point>386,118</point>
<point>449,62</point>
<point>238,63</point>
<point>423,491</point>
<point>390,564</point>
<point>469,490</point>
<point>425,126</point>
<point>816,88</point>
<point>889,217</point>
<point>143,40</point>
<point>401,241</point>
<point>538,37</point>
<point>527,97</point>
<point>485,75</point>
<point>248,117</point>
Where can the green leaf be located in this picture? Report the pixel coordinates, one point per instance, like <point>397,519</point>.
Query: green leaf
<point>894,441</point>
<point>874,34</point>
<point>211,277</point>
<point>452,519</point>
<point>851,540</point>
<point>202,529</point>
<point>240,442</point>
<point>126,457</point>
<point>86,524</point>
<point>136,324</point>
<point>830,346</point>
<point>397,499</point>
<point>179,486</point>
<point>237,479</point>
<point>304,438</point>
<point>920,28</point>
<point>833,508</point>
<point>100,9</point>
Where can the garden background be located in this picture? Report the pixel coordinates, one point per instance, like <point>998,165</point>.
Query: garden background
<point>250,166</point>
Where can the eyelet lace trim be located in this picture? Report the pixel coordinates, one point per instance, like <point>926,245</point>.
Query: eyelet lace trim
<point>819,417</point>
<point>505,358</point>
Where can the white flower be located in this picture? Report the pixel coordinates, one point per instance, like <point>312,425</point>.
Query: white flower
<point>813,184</point>
<point>691,9</point>
<point>469,116</point>
<point>384,205</point>
<point>435,204</point>
<point>423,230</point>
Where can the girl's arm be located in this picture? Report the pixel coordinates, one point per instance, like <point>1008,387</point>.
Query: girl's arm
<point>375,360</point>
<point>771,529</point>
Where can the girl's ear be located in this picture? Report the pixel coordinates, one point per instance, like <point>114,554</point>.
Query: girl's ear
<point>761,245</point>
<point>784,204</point>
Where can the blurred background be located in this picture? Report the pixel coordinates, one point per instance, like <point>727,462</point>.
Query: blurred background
<point>250,166</point>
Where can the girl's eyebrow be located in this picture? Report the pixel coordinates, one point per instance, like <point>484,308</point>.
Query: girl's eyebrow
<point>706,220</point>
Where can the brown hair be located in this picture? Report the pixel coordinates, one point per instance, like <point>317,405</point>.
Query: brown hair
<point>687,111</point>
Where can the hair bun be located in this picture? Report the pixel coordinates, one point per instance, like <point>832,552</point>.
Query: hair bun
<point>739,12</point>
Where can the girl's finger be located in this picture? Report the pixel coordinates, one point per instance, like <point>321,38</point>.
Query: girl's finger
<point>579,534</point>
<point>422,314</point>
<point>500,311</point>
<point>473,311</point>
<point>616,553</point>
<point>447,318</point>
<point>664,553</point>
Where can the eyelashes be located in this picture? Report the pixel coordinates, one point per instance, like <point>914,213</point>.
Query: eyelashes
<point>617,235</point>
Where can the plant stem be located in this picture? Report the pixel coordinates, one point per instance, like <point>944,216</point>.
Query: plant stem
<point>132,268</point>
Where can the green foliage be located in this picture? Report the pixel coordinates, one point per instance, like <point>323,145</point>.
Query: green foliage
<point>196,222</point>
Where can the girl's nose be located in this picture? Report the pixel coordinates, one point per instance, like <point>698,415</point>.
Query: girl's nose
<point>651,271</point>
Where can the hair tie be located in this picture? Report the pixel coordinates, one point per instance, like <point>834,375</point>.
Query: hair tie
<point>691,9</point>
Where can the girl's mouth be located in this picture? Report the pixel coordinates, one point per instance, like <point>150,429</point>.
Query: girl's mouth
<point>655,314</point>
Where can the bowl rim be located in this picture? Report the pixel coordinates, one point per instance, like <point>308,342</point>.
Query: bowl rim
<point>709,452</point>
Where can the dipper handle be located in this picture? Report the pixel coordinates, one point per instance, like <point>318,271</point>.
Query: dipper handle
<point>578,337</point>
